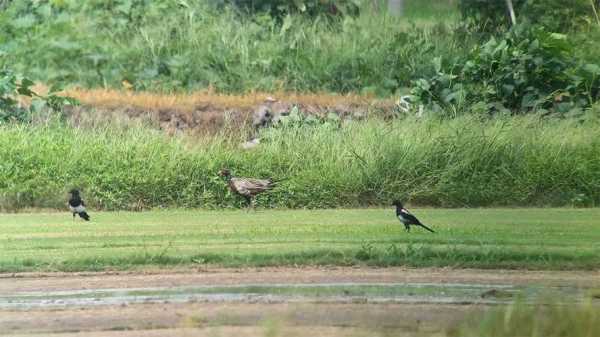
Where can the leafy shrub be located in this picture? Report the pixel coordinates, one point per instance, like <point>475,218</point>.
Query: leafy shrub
<point>486,16</point>
<point>281,8</point>
<point>554,15</point>
<point>558,15</point>
<point>13,85</point>
<point>524,70</point>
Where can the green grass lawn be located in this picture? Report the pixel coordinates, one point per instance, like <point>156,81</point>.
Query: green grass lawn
<point>483,238</point>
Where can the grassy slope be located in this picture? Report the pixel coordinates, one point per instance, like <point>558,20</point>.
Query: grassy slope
<point>458,163</point>
<point>511,238</point>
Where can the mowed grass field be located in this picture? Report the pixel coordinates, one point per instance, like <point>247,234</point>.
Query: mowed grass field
<point>480,238</point>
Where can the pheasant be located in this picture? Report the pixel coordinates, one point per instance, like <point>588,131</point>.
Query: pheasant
<point>77,206</point>
<point>406,218</point>
<point>246,187</point>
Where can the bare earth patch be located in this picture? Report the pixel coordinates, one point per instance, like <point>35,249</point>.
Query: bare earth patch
<point>10,283</point>
<point>206,318</point>
<point>206,111</point>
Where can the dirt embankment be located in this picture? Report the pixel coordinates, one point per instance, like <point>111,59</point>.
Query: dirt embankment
<point>203,112</point>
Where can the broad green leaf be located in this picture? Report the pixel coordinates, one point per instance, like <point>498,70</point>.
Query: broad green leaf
<point>558,36</point>
<point>592,68</point>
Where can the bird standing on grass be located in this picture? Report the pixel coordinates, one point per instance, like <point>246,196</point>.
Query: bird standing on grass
<point>77,206</point>
<point>246,187</point>
<point>406,218</point>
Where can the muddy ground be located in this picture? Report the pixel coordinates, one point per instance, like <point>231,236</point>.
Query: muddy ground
<point>106,312</point>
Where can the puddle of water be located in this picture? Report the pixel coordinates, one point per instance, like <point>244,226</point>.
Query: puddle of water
<point>276,293</point>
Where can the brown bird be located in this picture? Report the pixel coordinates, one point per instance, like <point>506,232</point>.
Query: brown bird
<point>247,187</point>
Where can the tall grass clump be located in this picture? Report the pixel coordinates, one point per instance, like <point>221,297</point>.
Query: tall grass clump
<point>520,319</point>
<point>462,162</point>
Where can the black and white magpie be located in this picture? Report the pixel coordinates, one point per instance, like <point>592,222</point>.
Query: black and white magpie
<point>406,218</point>
<point>77,206</point>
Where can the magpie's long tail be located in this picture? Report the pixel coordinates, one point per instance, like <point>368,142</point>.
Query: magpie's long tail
<point>427,228</point>
<point>84,216</point>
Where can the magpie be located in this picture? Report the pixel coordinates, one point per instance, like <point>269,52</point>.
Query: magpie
<point>77,206</point>
<point>246,187</point>
<point>406,218</point>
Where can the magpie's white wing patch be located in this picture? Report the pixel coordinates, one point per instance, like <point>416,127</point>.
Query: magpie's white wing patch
<point>77,209</point>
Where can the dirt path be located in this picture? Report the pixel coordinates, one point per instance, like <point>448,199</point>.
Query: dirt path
<point>26,282</point>
<point>169,318</point>
<point>251,318</point>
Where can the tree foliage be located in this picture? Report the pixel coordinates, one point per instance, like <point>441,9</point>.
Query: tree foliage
<point>13,85</point>
<point>526,69</point>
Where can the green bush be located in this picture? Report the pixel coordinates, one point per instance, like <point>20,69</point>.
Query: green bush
<point>553,15</point>
<point>558,15</point>
<point>313,8</point>
<point>13,86</point>
<point>525,70</point>
<point>486,16</point>
<point>461,162</point>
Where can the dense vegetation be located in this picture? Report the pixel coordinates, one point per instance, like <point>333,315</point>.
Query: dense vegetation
<point>14,87</point>
<point>481,158</point>
<point>464,162</point>
<point>240,46</point>
<point>196,46</point>
<point>554,15</point>
<point>476,238</point>
<point>530,65</point>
